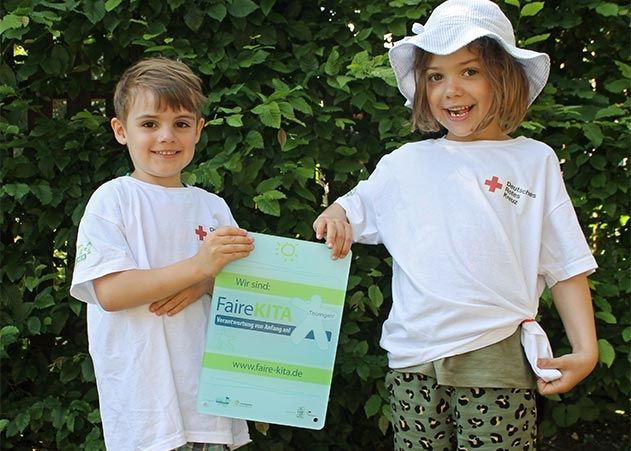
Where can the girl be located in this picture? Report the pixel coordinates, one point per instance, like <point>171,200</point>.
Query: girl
<point>477,224</point>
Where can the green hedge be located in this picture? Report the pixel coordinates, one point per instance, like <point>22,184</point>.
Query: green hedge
<point>302,106</point>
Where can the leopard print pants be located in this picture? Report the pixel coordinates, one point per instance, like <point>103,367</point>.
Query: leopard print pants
<point>428,416</point>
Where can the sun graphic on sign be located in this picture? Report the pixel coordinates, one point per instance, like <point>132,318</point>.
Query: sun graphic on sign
<point>287,251</point>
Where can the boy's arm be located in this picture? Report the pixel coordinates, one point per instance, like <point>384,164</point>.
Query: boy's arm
<point>334,226</point>
<point>128,289</point>
<point>171,305</point>
<point>573,301</point>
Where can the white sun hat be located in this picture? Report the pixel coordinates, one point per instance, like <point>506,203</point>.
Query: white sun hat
<point>453,25</point>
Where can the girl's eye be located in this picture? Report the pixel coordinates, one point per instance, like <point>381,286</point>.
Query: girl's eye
<point>434,77</point>
<point>470,72</point>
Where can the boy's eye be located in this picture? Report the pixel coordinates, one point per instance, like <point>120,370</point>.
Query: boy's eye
<point>148,124</point>
<point>182,124</point>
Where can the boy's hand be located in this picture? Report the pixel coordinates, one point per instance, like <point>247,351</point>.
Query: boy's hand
<point>574,368</point>
<point>222,246</point>
<point>338,232</point>
<point>176,303</point>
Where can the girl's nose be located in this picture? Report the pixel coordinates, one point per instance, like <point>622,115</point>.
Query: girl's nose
<point>453,88</point>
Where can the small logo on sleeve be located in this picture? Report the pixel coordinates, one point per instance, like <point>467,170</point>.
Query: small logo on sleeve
<point>83,250</point>
<point>511,192</point>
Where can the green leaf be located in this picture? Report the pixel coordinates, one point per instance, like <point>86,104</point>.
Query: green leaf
<point>299,104</point>
<point>270,207</point>
<point>606,352</point>
<point>374,294</point>
<point>235,120</point>
<point>624,68</point>
<point>16,190</point>
<point>610,111</point>
<point>111,5</point>
<point>269,114</point>
<point>512,2</point>
<point>241,8</point>
<point>255,139</point>
<point>626,334</point>
<point>566,415</point>
<point>268,202</point>
<point>534,39</point>
<point>607,9</point>
<point>34,325</point>
<point>361,348</point>
<point>269,184</point>
<point>8,335</point>
<point>94,10</point>
<point>332,65</point>
<point>531,9</point>
<point>594,133</point>
<point>94,417</point>
<point>44,300</point>
<point>373,405</point>
<point>22,420</point>
<point>193,18</point>
<point>12,21</point>
<point>3,424</point>
<point>606,317</point>
<point>43,192</point>
<point>266,6</point>
<point>216,11</point>
<point>271,195</point>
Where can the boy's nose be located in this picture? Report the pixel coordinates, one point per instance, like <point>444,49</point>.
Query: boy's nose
<point>166,134</point>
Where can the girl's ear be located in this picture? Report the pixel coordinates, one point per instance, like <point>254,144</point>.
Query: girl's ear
<point>119,130</point>
<point>200,127</point>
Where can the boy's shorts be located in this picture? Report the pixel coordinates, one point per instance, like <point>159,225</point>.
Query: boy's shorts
<point>429,416</point>
<point>201,447</point>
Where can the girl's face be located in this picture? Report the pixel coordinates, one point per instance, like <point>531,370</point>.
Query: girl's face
<point>459,96</point>
<point>161,142</point>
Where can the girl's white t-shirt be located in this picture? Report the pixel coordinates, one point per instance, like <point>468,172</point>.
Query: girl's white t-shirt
<point>476,230</point>
<point>147,367</point>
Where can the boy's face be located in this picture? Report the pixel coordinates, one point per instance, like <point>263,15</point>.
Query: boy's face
<point>459,96</point>
<point>161,142</point>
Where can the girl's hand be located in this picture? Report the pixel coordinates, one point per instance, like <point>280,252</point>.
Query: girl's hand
<point>574,368</point>
<point>573,302</point>
<point>174,304</point>
<point>338,233</point>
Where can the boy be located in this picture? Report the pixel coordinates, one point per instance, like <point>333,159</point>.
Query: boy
<point>148,249</point>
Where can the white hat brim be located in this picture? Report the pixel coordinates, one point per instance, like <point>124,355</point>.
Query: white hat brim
<point>445,42</point>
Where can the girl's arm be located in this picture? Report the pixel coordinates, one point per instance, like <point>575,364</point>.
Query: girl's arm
<point>333,225</point>
<point>128,289</point>
<point>573,301</point>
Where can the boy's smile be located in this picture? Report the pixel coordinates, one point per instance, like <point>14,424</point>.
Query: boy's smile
<point>459,96</point>
<point>161,142</point>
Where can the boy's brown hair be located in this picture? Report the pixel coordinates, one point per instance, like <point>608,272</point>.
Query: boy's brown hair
<point>172,83</point>
<point>507,79</point>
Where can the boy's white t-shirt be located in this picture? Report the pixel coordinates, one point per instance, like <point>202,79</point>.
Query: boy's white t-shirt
<point>147,367</point>
<point>476,230</point>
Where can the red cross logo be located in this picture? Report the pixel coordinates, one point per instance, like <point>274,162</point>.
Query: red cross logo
<point>199,231</point>
<point>493,184</point>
